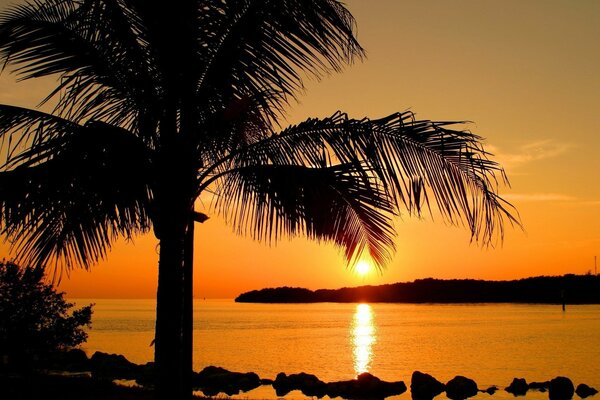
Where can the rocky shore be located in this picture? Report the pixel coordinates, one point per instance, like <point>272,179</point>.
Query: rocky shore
<point>214,381</point>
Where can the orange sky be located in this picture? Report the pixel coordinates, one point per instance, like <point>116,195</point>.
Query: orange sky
<point>526,73</point>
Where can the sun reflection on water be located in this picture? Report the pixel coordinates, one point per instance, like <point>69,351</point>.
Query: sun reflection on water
<point>363,337</point>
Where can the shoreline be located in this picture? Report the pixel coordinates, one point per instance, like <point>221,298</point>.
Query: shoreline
<point>74,376</point>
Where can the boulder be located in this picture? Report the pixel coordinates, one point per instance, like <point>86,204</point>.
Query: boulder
<point>541,386</point>
<point>308,384</point>
<point>584,391</point>
<point>113,366</point>
<point>424,386</point>
<point>491,390</point>
<point>518,387</point>
<point>214,380</point>
<point>147,375</point>
<point>365,386</point>
<point>72,360</point>
<point>561,388</point>
<point>282,384</point>
<point>460,388</point>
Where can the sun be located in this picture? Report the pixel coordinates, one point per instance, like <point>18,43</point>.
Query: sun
<point>363,267</point>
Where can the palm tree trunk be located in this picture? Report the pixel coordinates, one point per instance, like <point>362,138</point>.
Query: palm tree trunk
<point>188,310</point>
<point>169,321</point>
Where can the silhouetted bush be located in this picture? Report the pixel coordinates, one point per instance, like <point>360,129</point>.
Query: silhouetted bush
<point>35,319</point>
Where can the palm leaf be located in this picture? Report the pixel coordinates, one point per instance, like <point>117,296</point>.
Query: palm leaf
<point>28,135</point>
<point>418,163</point>
<point>254,48</point>
<point>94,48</point>
<point>424,159</point>
<point>335,203</point>
<point>92,188</point>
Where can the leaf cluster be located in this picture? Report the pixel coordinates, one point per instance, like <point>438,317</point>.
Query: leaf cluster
<point>156,102</point>
<point>35,319</point>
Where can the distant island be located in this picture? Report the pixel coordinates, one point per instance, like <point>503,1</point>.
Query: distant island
<point>569,289</point>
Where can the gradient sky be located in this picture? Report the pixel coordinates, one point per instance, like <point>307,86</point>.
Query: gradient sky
<point>527,73</point>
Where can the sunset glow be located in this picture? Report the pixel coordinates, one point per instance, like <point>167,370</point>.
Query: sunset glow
<point>512,79</point>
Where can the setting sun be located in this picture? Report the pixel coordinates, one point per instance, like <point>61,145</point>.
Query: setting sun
<point>363,267</point>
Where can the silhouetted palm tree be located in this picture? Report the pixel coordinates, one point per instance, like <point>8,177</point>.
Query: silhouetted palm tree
<point>158,103</point>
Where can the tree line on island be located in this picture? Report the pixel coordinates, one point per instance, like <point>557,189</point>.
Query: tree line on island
<point>570,288</point>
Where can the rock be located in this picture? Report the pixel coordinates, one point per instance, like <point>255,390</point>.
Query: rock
<point>308,384</point>
<point>424,386</point>
<point>281,384</point>
<point>214,380</point>
<point>113,366</point>
<point>72,360</point>
<point>460,388</point>
<point>541,386</point>
<point>518,387</point>
<point>561,388</point>
<point>365,386</point>
<point>491,390</point>
<point>147,375</point>
<point>584,391</point>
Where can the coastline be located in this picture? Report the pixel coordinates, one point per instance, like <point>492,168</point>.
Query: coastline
<point>98,378</point>
<point>566,289</point>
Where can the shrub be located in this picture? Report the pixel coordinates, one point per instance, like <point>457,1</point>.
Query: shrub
<point>35,319</point>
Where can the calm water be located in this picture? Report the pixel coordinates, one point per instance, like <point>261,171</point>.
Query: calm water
<point>489,343</point>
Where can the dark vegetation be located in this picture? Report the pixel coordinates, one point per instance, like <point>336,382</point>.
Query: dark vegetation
<point>572,289</point>
<point>36,322</point>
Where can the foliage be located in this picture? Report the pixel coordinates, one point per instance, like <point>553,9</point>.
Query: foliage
<point>139,103</point>
<point>35,319</point>
<point>157,105</point>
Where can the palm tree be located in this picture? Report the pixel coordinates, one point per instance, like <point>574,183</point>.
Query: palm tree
<point>157,104</point>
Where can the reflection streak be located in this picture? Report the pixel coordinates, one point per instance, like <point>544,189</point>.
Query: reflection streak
<point>363,337</point>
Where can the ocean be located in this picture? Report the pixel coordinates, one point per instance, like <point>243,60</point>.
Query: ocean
<point>490,343</point>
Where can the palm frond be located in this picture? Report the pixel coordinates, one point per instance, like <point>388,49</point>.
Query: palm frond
<point>335,203</point>
<point>252,48</point>
<point>91,45</point>
<point>421,159</point>
<point>421,164</point>
<point>28,135</point>
<point>68,209</point>
<point>231,127</point>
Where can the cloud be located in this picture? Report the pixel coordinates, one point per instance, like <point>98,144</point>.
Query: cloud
<point>529,152</point>
<point>537,197</point>
<point>550,197</point>
<point>592,203</point>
